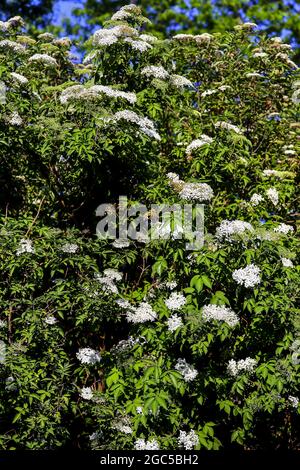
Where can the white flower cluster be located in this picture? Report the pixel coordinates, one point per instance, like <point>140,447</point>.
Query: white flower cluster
<point>25,246</point>
<point>294,401</point>
<point>287,263</point>
<point>256,199</point>
<point>88,356</point>
<point>108,280</point>
<point>197,143</point>
<point>220,313</point>
<point>284,228</point>
<point>188,440</point>
<point>146,125</point>
<point>174,322</point>
<point>2,323</point>
<point>16,21</point>
<point>248,276</point>
<point>107,37</point>
<point>188,372</point>
<point>273,195</point>
<point>196,192</point>
<point>175,301</point>
<point>86,393</point>
<point>247,26</point>
<point>43,59</point>
<point>50,320</point>
<point>141,444</point>
<point>243,365</point>
<point>156,72</point>
<point>254,75</point>
<point>14,119</point>
<point>208,93</point>
<point>19,78</point>
<point>12,46</point>
<point>180,82</point>
<point>295,350</point>
<point>229,228</point>
<point>171,285</point>
<point>69,248</point>
<point>198,38</point>
<point>141,314</point>
<point>140,46</point>
<point>228,127</point>
<point>79,92</point>
<point>122,424</point>
<point>121,243</point>
<point>148,38</point>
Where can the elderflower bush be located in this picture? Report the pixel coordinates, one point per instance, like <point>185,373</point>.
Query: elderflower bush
<point>132,345</point>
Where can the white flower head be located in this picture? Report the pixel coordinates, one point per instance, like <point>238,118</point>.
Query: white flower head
<point>197,143</point>
<point>174,322</point>
<point>86,393</point>
<point>188,372</point>
<point>273,196</point>
<point>243,365</point>
<point>256,199</point>
<point>284,228</point>
<point>188,440</point>
<point>25,246</point>
<point>142,444</point>
<point>196,192</point>
<point>141,314</point>
<point>248,276</point>
<point>88,356</point>
<point>175,301</point>
<point>231,228</point>
<point>220,313</point>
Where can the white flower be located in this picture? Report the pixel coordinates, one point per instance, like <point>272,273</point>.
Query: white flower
<point>141,444</point>
<point>294,401</point>
<point>140,46</point>
<point>256,199</point>
<point>148,38</point>
<point>69,248</point>
<point>25,247</point>
<point>180,82</point>
<point>43,59</point>
<point>208,93</point>
<point>197,143</point>
<point>229,228</point>
<point>50,320</point>
<point>2,324</point>
<point>219,313</point>
<point>174,322</point>
<point>141,314</point>
<point>228,126</point>
<point>19,78</point>
<point>171,285</point>
<point>6,44</point>
<point>14,119</point>
<point>224,87</point>
<point>175,301</point>
<point>248,276</point>
<point>260,55</point>
<point>120,243</point>
<point>156,72</point>
<point>248,26</point>
<point>79,92</point>
<point>122,424</point>
<point>243,365</point>
<point>287,263</point>
<point>139,410</point>
<point>107,37</point>
<point>86,393</point>
<point>113,274</point>
<point>88,356</point>
<point>123,303</point>
<point>284,228</point>
<point>273,195</point>
<point>108,279</point>
<point>173,177</point>
<point>188,440</point>
<point>146,125</point>
<point>290,152</point>
<point>111,92</point>
<point>188,372</point>
<point>254,75</point>
<point>196,192</point>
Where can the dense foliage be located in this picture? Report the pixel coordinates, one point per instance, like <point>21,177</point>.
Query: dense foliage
<point>122,345</point>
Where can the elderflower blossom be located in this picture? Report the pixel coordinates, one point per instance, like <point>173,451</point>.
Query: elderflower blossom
<point>50,320</point>
<point>219,313</point>
<point>228,127</point>
<point>197,143</point>
<point>12,46</point>
<point>196,192</point>
<point>69,248</point>
<point>273,195</point>
<point>2,323</point>
<point>43,59</point>
<point>146,125</point>
<point>79,92</point>
<point>294,401</point>
<point>14,119</point>
<point>141,314</point>
<point>107,37</point>
<point>148,38</point>
<point>284,228</point>
<point>254,75</point>
<point>174,322</point>
<point>287,263</point>
<point>243,365</point>
<point>256,199</point>
<point>229,228</point>
<point>25,246</point>
<point>156,72</point>
<point>175,301</point>
<point>108,279</point>
<point>122,424</point>
<point>248,276</point>
<point>208,93</point>
<point>86,393</point>
<point>188,440</point>
<point>88,356</point>
<point>19,78</point>
<point>180,82</point>
<point>188,372</point>
<point>140,46</point>
<point>248,26</point>
<point>142,444</point>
